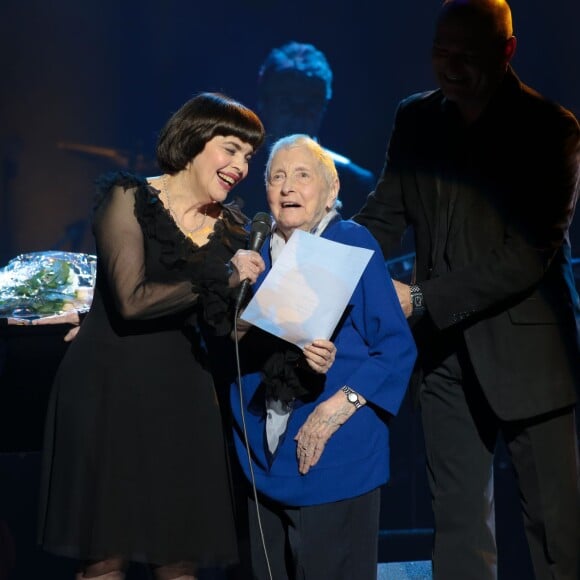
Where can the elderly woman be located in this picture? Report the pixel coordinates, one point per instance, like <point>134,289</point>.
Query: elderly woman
<point>318,432</point>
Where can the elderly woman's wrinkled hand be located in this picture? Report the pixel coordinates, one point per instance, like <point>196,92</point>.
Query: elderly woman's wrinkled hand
<point>247,265</point>
<point>321,424</point>
<point>320,355</point>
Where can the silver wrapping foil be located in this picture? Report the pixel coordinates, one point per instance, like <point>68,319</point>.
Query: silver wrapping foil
<point>44,284</point>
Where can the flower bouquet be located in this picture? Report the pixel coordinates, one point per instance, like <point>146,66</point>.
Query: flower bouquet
<point>45,284</point>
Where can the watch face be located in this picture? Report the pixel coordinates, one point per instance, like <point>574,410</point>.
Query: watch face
<point>352,397</point>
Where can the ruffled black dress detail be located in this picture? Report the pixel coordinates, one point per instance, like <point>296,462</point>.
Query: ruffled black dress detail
<point>135,461</point>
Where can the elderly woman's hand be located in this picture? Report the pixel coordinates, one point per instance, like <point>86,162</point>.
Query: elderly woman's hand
<point>320,354</point>
<point>247,265</point>
<point>321,424</point>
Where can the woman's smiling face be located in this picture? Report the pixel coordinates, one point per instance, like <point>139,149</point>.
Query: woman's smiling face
<point>220,166</point>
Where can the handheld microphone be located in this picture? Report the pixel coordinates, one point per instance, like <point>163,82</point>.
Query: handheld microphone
<point>260,229</point>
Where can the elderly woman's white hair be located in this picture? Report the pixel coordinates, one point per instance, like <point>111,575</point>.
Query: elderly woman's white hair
<point>325,161</point>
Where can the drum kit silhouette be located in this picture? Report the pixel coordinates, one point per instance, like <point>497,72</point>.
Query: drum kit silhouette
<point>135,162</point>
<point>74,237</point>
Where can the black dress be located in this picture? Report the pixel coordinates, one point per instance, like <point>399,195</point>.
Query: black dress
<point>135,461</point>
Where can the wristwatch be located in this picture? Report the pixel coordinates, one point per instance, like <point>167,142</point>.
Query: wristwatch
<point>417,299</point>
<point>352,397</point>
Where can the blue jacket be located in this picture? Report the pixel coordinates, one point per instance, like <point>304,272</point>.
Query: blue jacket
<point>375,357</point>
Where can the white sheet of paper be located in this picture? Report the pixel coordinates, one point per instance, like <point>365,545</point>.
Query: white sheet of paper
<point>306,291</point>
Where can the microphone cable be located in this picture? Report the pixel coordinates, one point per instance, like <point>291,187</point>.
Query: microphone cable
<point>247,444</point>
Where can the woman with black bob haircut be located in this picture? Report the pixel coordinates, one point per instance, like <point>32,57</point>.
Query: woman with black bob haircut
<point>134,462</point>
<point>197,122</point>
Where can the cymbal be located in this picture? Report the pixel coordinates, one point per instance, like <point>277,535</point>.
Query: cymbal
<point>121,158</point>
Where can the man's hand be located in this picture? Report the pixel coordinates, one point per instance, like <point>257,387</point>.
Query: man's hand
<point>404,296</point>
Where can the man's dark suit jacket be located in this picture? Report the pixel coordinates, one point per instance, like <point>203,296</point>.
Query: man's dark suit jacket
<point>490,206</point>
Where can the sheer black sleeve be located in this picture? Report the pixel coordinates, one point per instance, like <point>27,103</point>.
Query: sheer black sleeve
<point>128,210</point>
<point>121,254</point>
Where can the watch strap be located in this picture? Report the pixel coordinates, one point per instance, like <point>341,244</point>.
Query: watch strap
<point>417,301</point>
<point>351,396</point>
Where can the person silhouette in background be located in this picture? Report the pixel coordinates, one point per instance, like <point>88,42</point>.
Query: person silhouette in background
<point>294,89</point>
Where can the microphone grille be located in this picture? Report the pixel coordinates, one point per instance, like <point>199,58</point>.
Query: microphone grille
<point>262,222</point>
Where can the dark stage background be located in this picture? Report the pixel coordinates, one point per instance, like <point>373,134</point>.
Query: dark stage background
<point>108,74</point>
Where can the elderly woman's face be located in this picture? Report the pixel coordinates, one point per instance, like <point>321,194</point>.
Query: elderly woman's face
<point>298,193</point>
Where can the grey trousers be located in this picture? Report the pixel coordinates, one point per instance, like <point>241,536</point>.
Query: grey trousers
<point>333,541</point>
<point>461,432</point>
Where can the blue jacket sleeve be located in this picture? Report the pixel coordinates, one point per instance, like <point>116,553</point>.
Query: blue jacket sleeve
<point>383,375</point>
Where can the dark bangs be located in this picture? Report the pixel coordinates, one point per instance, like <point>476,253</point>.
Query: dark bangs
<point>200,120</point>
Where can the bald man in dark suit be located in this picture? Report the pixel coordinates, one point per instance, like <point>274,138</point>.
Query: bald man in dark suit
<point>486,172</point>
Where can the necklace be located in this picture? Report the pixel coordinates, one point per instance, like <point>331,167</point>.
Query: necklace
<point>187,231</point>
